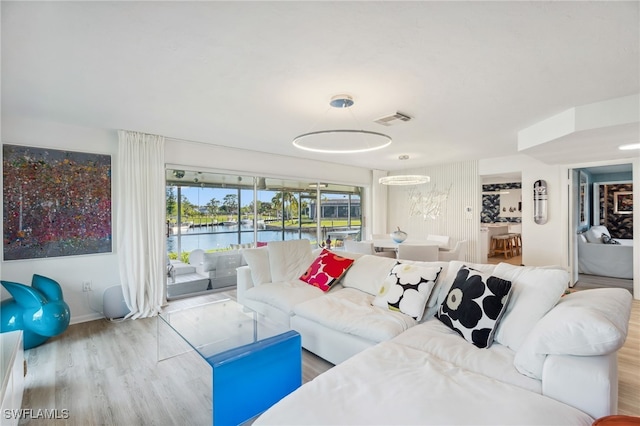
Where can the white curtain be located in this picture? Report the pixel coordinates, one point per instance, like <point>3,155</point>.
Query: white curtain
<point>140,226</point>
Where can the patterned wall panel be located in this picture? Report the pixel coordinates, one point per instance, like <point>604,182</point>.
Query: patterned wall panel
<point>491,203</point>
<point>619,224</point>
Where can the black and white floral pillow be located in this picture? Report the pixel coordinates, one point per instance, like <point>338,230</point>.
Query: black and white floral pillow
<point>407,288</point>
<point>474,305</point>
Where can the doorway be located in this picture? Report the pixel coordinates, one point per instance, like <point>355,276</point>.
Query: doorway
<point>601,225</point>
<point>501,216</point>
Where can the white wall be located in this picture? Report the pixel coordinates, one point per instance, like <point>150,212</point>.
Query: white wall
<point>70,271</point>
<point>542,244</point>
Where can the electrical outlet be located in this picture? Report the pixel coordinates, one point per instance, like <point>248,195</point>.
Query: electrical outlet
<point>86,286</point>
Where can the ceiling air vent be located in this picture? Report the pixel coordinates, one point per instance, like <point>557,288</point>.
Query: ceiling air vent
<point>391,119</point>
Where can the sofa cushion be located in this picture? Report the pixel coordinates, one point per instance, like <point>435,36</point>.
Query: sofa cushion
<point>584,323</point>
<point>289,259</point>
<point>474,305</point>
<point>407,289</point>
<point>258,261</point>
<point>351,311</point>
<point>368,273</point>
<point>283,295</point>
<point>209,261</point>
<point>535,291</point>
<point>326,270</point>
<point>496,362</point>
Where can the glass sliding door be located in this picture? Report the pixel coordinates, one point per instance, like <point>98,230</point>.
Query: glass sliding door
<point>341,215</point>
<point>215,215</point>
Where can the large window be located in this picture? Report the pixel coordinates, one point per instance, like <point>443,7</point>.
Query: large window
<point>221,212</point>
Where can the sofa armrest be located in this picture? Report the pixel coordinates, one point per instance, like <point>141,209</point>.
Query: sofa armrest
<point>589,383</point>
<point>245,282</point>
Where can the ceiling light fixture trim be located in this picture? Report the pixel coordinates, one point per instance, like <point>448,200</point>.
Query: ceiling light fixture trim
<point>342,141</point>
<point>404,180</point>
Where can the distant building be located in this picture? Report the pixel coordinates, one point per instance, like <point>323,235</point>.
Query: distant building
<point>337,208</point>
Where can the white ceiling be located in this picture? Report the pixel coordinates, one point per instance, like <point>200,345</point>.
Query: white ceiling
<point>255,74</point>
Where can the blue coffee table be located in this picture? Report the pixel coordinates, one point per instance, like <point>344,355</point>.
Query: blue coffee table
<point>255,362</point>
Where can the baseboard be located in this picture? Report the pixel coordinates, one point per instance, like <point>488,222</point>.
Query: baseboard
<point>86,318</point>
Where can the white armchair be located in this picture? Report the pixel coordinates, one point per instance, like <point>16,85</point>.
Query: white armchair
<point>598,258</point>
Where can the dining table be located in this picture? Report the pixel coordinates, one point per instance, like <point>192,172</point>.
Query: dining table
<point>387,244</point>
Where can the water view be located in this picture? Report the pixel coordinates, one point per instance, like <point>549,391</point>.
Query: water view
<point>224,236</point>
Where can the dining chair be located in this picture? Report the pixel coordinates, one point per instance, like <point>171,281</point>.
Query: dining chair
<point>443,240</point>
<point>458,252</point>
<point>423,252</point>
<point>359,246</point>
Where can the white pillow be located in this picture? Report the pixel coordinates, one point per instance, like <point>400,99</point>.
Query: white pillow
<point>258,261</point>
<point>594,235</point>
<point>368,273</point>
<point>584,323</point>
<point>289,259</point>
<point>534,292</point>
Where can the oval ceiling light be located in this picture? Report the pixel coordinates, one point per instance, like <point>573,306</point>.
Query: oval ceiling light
<point>629,146</point>
<point>342,141</point>
<point>404,180</point>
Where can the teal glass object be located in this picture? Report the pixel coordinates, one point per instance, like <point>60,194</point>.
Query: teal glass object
<point>38,310</point>
<point>249,379</point>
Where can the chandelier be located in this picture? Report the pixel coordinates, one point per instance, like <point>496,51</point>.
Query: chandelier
<point>404,180</point>
<point>342,141</point>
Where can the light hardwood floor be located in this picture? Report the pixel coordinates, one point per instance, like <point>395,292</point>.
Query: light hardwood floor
<point>106,373</point>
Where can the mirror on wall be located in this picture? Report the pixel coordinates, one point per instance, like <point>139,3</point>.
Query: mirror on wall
<point>511,203</point>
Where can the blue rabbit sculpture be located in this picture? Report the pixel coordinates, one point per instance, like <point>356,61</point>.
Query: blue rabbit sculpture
<point>39,310</point>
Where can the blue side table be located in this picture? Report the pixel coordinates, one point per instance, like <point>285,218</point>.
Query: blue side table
<point>255,362</point>
<point>252,378</point>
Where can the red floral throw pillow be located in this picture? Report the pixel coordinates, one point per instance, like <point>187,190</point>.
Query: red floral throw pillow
<point>326,270</point>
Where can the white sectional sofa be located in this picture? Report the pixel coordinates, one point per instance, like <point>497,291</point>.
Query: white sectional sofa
<point>595,257</point>
<point>549,360</point>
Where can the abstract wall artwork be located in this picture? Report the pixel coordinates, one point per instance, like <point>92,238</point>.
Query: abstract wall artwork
<point>616,209</point>
<point>56,203</point>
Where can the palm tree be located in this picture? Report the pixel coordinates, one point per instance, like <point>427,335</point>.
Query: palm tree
<point>289,200</point>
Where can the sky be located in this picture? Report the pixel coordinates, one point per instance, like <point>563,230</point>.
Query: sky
<point>201,196</point>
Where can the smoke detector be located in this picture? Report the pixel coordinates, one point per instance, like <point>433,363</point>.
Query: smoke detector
<point>391,119</point>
